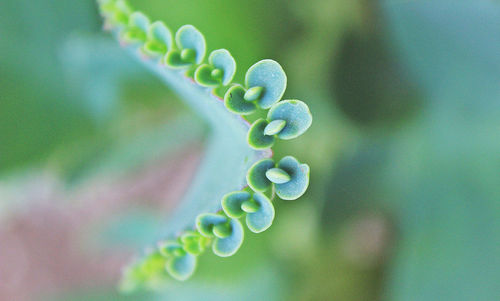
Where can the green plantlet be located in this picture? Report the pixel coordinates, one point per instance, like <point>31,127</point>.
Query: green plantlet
<point>257,207</point>
<point>286,120</point>
<point>159,40</point>
<point>117,12</point>
<point>137,29</point>
<point>178,263</point>
<point>265,84</point>
<point>227,233</point>
<point>190,48</point>
<point>237,156</point>
<point>289,177</point>
<point>193,242</point>
<point>219,71</point>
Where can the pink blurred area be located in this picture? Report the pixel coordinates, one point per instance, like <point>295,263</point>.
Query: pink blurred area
<point>44,238</point>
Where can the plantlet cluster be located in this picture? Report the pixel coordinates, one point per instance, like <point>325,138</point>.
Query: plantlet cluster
<point>183,56</point>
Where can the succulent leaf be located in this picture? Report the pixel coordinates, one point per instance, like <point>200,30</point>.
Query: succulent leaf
<point>258,209</point>
<point>250,206</point>
<point>261,219</point>
<point>173,59</point>
<point>256,136</point>
<point>299,179</point>
<point>139,20</point>
<point>153,263</point>
<point>181,267</point>
<point>120,13</point>
<point>219,71</point>
<point>278,176</point>
<point>296,115</point>
<point>235,102</point>
<point>222,230</point>
<point>228,233</point>
<point>168,248</point>
<point>274,127</point>
<point>232,202</point>
<point>227,246</point>
<point>290,178</point>
<point>193,242</point>
<point>256,176</point>
<point>223,60</point>
<point>188,37</point>
<point>106,7</point>
<point>159,39</point>
<point>253,93</point>
<point>138,25</point>
<point>203,76</point>
<point>268,75</point>
<point>206,222</point>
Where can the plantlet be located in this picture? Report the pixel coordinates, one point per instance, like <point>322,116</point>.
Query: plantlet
<point>237,178</point>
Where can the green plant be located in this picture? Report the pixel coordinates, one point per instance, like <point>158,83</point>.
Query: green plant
<point>237,167</point>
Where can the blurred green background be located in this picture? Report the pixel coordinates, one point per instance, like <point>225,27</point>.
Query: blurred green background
<point>404,200</point>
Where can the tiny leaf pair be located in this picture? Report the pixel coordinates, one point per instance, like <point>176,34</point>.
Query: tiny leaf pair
<point>286,120</point>
<point>137,30</point>
<point>227,233</point>
<point>193,243</point>
<point>219,71</point>
<point>179,263</point>
<point>149,267</point>
<point>265,84</point>
<point>289,177</point>
<point>118,12</point>
<point>258,209</point>
<point>190,50</point>
<point>159,40</point>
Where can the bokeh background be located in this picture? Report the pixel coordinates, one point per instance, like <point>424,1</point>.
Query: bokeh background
<point>404,201</point>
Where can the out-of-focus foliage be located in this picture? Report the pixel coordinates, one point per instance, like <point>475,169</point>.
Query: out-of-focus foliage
<point>450,155</point>
<point>38,110</point>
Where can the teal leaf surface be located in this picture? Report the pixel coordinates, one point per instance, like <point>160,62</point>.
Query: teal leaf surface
<point>120,12</point>
<point>269,75</point>
<point>227,233</point>
<point>235,102</point>
<point>261,219</point>
<point>138,26</point>
<point>278,175</point>
<point>256,176</point>
<point>193,242</point>
<point>274,127</point>
<point>206,222</point>
<point>258,208</point>
<point>188,37</point>
<point>296,115</point>
<point>231,203</point>
<point>256,135</point>
<point>158,31</point>
<point>181,267</point>
<point>299,179</point>
<point>139,20</point>
<point>290,177</point>
<point>219,71</point>
<point>227,246</point>
<point>159,39</point>
<point>191,48</point>
<point>223,60</point>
